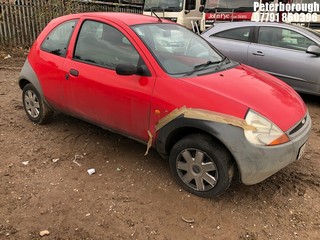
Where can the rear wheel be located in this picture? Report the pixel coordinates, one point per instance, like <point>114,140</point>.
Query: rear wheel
<point>37,110</point>
<point>201,165</point>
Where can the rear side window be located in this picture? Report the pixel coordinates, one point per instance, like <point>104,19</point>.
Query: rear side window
<point>241,34</point>
<point>103,45</point>
<point>58,39</point>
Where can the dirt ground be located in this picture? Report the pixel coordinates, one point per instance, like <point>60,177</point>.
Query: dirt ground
<point>44,185</point>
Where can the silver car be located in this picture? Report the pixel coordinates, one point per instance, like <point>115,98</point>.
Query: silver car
<point>289,52</point>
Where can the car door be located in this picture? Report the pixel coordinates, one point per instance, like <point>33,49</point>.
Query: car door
<point>233,43</point>
<point>282,53</point>
<point>95,92</point>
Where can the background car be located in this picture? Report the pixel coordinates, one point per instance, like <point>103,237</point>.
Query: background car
<point>207,114</point>
<point>289,52</point>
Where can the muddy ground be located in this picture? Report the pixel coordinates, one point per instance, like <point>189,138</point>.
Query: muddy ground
<point>44,185</point>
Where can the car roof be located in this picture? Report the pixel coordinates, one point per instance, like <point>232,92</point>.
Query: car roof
<point>218,27</point>
<point>252,23</point>
<point>227,25</point>
<point>126,18</point>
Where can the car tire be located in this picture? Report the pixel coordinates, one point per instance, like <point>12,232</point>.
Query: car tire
<point>201,165</point>
<point>36,108</point>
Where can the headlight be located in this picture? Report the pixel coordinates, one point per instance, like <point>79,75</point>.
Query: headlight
<point>266,133</point>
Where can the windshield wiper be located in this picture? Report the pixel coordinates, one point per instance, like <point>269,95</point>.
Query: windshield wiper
<point>203,65</point>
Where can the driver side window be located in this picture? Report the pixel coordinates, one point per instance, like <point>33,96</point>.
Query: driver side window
<point>103,45</point>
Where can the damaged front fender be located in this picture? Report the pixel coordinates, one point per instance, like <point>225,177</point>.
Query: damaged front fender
<point>201,114</point>
<point>183,121</point>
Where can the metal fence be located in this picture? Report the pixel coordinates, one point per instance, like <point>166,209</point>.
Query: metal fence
<point>21,21</point>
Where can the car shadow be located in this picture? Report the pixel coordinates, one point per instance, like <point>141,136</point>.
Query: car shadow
<point>310,99</point>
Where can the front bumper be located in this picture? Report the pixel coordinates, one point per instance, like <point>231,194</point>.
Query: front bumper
<point>256,163</point>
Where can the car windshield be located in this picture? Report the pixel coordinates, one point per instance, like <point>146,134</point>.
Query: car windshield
<point>177,49</point>
<point>163,5</point>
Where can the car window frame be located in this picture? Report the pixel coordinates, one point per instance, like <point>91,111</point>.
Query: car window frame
<point>250,38</point>
<point>76,20</point>
<point>146,72</point>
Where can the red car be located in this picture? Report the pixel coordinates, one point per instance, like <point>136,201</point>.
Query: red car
<point>157,82</point>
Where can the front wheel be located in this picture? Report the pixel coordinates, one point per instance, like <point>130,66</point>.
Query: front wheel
<point>36,108</point>
<point>201,165</point>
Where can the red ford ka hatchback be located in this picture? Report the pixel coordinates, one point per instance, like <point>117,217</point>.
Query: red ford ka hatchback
<point>157,82</point>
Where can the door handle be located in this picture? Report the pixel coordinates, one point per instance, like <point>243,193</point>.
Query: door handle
<point>258,53</point>
<point>74,72</point>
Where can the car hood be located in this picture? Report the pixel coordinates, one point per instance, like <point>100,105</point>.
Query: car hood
<point>257,90</point>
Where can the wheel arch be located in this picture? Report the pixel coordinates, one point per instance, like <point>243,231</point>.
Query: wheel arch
<point>23,82</point>
<point>28,75</point>
<point>181,127</point>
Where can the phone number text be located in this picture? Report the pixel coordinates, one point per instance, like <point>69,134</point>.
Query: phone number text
<point>285,17</point>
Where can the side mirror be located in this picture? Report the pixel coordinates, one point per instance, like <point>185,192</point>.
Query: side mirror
<point>126,69</point>
<point>313,49</point>
<point>201,8</point>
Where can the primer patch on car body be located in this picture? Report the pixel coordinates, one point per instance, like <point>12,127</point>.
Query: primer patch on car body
<point>201,114</point>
